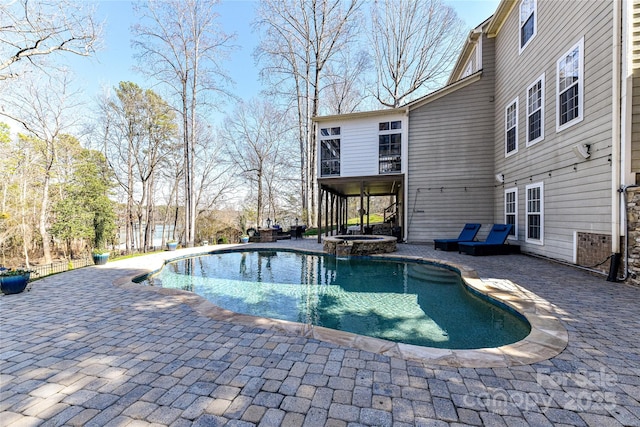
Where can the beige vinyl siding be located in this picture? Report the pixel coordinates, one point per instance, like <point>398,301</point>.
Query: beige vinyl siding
<point>635,111</point>
<point>574,199</point>
<point>359,150</point>
<point>450,170</point>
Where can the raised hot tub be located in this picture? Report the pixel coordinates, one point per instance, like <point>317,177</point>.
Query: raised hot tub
<point>344,245</point>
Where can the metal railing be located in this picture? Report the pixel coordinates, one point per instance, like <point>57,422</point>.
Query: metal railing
<point>390,213</point>
<point>40,271</point>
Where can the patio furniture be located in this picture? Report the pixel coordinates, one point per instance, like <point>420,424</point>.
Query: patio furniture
<point>297,231</point>
<point>467,234</point>
<point>493,245</point>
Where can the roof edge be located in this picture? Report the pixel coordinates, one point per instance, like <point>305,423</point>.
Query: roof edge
<point>500,15</point>
<point>359,114</point>
<point>467,49</point>
<point>459,84</point>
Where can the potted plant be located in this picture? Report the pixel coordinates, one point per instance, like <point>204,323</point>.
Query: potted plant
<point>100,256</point>
<point>172,245</point>
<point>14,281</point>
<point>242,222</point>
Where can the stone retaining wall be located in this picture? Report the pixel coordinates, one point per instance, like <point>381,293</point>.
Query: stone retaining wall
<point>369,245</point>
<point>633,228</point>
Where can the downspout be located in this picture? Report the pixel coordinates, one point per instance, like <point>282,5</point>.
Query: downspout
<point>615,145</point>
<point>405,190</point>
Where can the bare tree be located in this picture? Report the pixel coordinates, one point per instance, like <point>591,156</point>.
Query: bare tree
<point>32,30</point>
<point>415,43</point>
<point>45,110</point>
<point>214,177</point>
<point>182,47</point>
<point>139,131</point>
<point>347,81</point>
<point>299,38</point>
<point>254,137</point>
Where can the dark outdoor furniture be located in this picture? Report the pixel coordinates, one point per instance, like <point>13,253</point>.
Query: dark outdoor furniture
<point>467,234</point>
<point>493,245</point>
<point>297,231</point>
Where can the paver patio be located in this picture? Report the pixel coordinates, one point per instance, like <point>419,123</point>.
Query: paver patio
<point>78,350</point>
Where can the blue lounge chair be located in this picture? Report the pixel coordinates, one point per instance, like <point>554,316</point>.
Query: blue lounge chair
<point>467,234</point>
<point>493,245</point>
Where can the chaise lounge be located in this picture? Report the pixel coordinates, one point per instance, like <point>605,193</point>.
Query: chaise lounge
<point>467,234</point>
<point>493,245</point>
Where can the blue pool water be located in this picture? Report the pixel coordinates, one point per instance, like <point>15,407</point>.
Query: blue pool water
<point>401,301</point>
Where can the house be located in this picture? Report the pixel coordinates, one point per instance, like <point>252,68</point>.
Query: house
<point>537,127</point>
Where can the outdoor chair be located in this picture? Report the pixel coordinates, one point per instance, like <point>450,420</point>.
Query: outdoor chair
<point>493,245</point>
<point>467,234</point>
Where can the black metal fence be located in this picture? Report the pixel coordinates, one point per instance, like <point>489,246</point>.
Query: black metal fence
<point>58,267</point>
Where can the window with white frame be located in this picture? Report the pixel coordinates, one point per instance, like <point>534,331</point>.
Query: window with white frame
<point>528,26</point>
<point>468,70</point>
<point>330,151</point>
<point>511,210</point>
<point>390,145</point>
<point>511,128</point>
<point>570,83</point>
<point>535,112</point>
<point>535,213</point>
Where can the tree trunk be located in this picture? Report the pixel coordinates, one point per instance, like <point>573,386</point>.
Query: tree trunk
<point>187,165</point>
<point>25,239</point>
<point>259,213</point>
<point>46,246</point>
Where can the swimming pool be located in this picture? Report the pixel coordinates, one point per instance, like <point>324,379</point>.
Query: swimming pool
<point>399,301</point>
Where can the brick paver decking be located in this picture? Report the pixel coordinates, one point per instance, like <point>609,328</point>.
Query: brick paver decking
<point>76,350</point>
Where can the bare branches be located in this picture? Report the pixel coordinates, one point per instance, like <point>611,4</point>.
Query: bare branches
<point>299,39</point>
<point>44,111</point>
<point>32,30</point>
<point>415,43</point>
<point>181,45</point>
<point>255,138</point>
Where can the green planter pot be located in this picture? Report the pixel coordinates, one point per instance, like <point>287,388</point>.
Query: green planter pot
<point>14,284</point>
<point>100,259</point>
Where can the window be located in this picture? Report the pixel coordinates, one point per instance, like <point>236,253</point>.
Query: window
<point>468,70</point>
<point>570,78</point>
<point>511,210</point>
<point>535,112</point>
<point>389,146</point>
<point>511,128</point>
<point>535,224</point>
<point>528,25</point>
<point>330,151</point>
<point>390,125</point>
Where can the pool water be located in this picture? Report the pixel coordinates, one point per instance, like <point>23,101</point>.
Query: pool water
<point>400,301</point>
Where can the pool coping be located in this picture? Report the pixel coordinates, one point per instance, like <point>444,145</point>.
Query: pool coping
<point>548,337</point>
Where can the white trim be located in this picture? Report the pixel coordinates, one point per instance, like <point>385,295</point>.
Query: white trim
<point>578,119</point>
<point>479,53</point>
<point>541,213</point>
<point>521,48</point>
<point>468,69</point>
<point>506,112</point>
<point>390,132</point>
<point>540,79</point>
<point>335,133</point>
<point>515,213</point>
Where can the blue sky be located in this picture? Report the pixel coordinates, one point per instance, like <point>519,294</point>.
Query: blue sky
<point>114,62</point>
